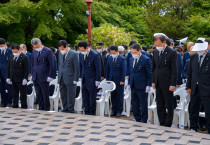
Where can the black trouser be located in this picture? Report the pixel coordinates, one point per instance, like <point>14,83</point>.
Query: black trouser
<point>16,89</point>
<point>165,100</point>
<point>195,104</point>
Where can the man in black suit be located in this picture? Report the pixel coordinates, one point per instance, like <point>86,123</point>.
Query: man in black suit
<point>103,56</point>
<point>164,74</point>
<point>17,75</point>
<point>198,83</point>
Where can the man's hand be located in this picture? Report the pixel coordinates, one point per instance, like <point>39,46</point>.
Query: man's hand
<point>29,75</point>
<point>148,88</point>
<point>97,83</point>
<point>189,91</point>
<point>172,88</point>
<point>49,79</point>
<point>127,77</point>
<point>102,78</point>
<point>153,86</point>
<point>24,82</point>
<point>122,83</point>
<point>9,81</point>
<point>177,86</point>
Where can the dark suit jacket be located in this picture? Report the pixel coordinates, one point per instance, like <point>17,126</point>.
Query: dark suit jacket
<point>19,70</point>
<point>4,62</point>
<point>200,76</point>
<point>44,67</point>
<point>91,70</point>
<point>141,75</point>
<point>117,72</point>
<point>179,70</point>
<point>29,56</point>
<point>165,70</point>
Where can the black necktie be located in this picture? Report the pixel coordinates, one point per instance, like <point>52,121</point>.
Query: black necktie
<point>113,63</point>
<point>15,60</point>
<point>135,63</point>
<point>200,61</point>
<point>160,55</point>
<point>85,58</point>
<point>64,57</point>
<point>2,53</point>
<point>38,56</point>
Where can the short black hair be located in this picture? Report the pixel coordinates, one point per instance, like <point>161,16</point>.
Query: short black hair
<point>8,44</point>
<point>53,49</point>
<point>15,46</point>
<point>83,44</point>
<point>145,48</point>
<point>132,42</point>
<point>125,46</point>
<point>62,43</point>
<point>2,41</point>
<point>76,46</point>
<point>152,46</point>
<point>162,38</point>
<point>114,47</point>
<point>136,46</point>
<point>168,41</point>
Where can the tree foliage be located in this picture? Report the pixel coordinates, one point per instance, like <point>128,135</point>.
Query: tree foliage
<point>51,20</point>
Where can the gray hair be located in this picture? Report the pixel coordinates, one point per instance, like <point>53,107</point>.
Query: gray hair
<point>24,46</point>
<point>35,41</point>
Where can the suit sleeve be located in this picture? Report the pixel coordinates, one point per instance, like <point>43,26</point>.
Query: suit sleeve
<point>76,67</point>
<point>51,64</point>
<point>107,69</point>
<point>26,67</point>
<point>80,65</point>
<point>128,63</point>
<point>102,66</point>
<point>97,63</point>
<point>8,68</point>
<point>189,72</point>
<point>173,68</point>
<point>149,72</point>
<point>153,68</point>
<point>179,78</point>
<point>55,66</point>
<point>123,72</point>
<point>29,56</point>
<point>32,62</point>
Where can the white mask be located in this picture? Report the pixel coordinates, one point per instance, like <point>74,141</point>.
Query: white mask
<point>84,53</point>
<point>23,52</point>
<point>114,55</point>
<point>159,48</point>
<point>16,54</point>
<point>135,56</point>
<point>2,48</point>
<point>63,52</point>
<point>200,53</point>
<point>38,49</point>
<point>99,50</point>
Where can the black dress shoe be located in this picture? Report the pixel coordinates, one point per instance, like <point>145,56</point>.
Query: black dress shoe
<point>14,106</point>
<point>71,111</point>
<point>64,111</point>
<point>113,114</point>
<point>9,105</point>
<point>203,128</point>
<point>3,105</point>
<point>118,115</point>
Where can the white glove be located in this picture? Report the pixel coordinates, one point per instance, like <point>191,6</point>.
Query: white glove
<point>80,79</point>
<point>49,79</point>
<point>24,82</point>
<point>129,88</point>
<point>74,82</point>
<point>9,81</point>
<point>97,83</point>
<point>148,88</point>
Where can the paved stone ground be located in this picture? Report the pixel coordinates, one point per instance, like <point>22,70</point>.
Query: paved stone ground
<point>22,127</point>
